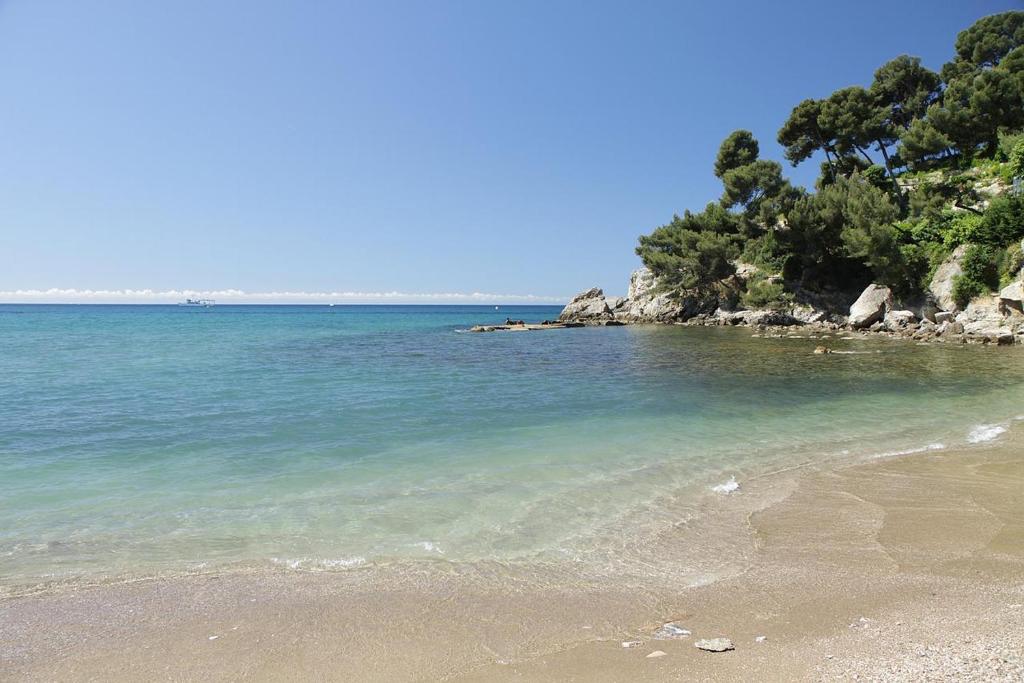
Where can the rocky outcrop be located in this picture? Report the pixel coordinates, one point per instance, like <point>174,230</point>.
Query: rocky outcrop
<point>644,303</point>
<point>989,319</point>
<point>588,306</point>
<point>871,306</point>
<point>941,286</point>
<point>984,319</point>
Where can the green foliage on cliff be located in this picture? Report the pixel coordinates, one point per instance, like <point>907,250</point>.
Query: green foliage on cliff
<point>980,274</point>
<point>908,168</point>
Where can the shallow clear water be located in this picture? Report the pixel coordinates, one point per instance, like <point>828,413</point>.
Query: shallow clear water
<point>147,438</point>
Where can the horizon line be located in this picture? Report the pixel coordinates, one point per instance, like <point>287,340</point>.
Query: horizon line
<point>69,296</point>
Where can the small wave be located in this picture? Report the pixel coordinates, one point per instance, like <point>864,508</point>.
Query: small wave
<point>429,547</point>
<point>855,353</point>
<point>983,433</point>
<point>910,451</point>
<point>727,487</point>
<point>315,564</point>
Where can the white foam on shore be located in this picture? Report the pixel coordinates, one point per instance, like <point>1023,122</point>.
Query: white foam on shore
<point>983,433</point>
<point>727,487</point>
<point>910,451</point>
<point>316,564</point>
<point>430,547</point>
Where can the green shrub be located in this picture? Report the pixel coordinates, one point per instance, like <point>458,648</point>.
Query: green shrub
<point>762,293</point>
<point>876,175</point>
<point>980,267</point>
<point>765,252</point>
<point>1002,223</point>
<point>1016,160</point>
<point>981,263</point>
<point>1010,264</point>
<point>965,289</point>
<point>962,227</point>
<point>1008,142</point>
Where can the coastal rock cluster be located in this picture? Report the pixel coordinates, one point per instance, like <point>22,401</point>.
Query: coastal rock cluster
<point>991,318</point>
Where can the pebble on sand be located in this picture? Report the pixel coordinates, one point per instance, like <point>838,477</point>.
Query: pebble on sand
<point>656,654</point>
<point>760,639</point>
<point>715,644</point>
<point>631,643</point>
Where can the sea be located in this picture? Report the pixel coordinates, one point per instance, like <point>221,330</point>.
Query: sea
<point>152,440</point>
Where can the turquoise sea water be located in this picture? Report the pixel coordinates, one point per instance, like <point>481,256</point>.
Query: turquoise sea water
<point>160,438</point>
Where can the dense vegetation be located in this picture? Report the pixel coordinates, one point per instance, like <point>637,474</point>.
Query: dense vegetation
<point>898,189</point>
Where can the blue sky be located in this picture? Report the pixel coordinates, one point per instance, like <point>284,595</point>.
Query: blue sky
<point>514,148</point>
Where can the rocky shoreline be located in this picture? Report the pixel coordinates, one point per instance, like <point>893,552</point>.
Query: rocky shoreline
<point>993,319</point>
<point>988,319</point>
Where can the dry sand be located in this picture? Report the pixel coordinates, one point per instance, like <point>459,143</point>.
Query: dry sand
<point>907,568</point>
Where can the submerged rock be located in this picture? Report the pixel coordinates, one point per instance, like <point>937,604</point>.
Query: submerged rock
<point>715,644</point>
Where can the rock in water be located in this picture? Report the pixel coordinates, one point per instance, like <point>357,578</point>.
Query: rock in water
<point>822,349</point>
<point>715,644</point>
<point>871,306</point>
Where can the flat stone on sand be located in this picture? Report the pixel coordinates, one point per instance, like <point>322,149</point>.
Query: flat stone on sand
<point>656,654</point>
<point>715,644</point>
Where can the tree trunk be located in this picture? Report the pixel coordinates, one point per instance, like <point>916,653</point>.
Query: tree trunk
<point>892,177</point>
<point>870,160</point>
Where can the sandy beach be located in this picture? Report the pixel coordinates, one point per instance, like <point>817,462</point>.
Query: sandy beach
<point>902,568</point>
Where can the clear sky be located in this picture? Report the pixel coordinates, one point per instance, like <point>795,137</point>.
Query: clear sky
<point>379,147</point>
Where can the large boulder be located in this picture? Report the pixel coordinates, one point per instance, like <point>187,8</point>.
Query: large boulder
<point>1011,297</point>
<point>899,320</point>
<point>589,305</point>
<point>871,306</point>
<point>941,286</point>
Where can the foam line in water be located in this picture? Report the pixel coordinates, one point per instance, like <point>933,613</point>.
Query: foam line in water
<point>727,487</point>
<point>911,451</point>
<point>983,433</point>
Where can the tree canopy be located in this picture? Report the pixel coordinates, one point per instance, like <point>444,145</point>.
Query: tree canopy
<point>864,223</point>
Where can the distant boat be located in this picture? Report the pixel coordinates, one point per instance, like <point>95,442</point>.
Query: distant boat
<point>495,308</point>
<point>205,303</point>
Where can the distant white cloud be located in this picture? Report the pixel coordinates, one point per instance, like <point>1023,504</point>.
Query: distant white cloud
<point>238,296</point>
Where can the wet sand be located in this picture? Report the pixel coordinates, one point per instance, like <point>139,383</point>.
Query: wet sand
<point>905,568</point>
